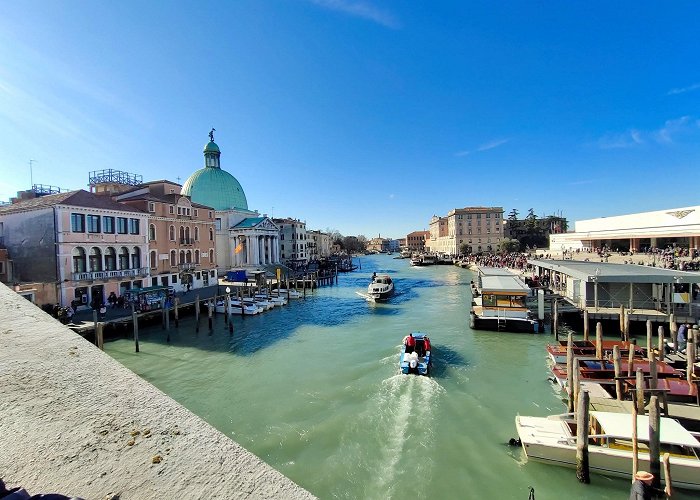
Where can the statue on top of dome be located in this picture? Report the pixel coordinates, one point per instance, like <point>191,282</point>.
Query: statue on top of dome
<point>211,134</point>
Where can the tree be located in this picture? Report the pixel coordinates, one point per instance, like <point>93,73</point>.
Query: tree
<point>513,215</point>
<point>509,245</point>
<point>464,249</point>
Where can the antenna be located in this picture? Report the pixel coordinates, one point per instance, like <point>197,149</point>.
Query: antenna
<point>31,175</point>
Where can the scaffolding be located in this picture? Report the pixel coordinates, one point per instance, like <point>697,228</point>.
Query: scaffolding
<point>44,189</point>
<point>115,177</point>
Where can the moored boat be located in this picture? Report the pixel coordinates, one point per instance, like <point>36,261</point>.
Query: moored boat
<point>553,440</point>
<point>502,306</point>
<point>381,288</point>
<point>416,355</point>
<point>586,349</point>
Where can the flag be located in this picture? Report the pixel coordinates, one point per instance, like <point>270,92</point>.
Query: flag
<point>238,248</point>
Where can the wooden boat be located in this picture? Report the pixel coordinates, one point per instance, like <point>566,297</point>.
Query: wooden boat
<point>419,360</point>
<point>381,288</point>
<point>553,440</point>
<point>603,371</point>
<point>502,306</point>
<point>586,349</point>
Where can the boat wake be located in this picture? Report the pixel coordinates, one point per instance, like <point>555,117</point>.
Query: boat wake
<point>403,410</point>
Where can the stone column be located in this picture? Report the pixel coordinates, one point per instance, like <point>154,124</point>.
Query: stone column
<point>249,250</point>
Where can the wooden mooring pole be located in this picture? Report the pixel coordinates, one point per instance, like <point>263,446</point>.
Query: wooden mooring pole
<point>662,343</point>
<point>630,359</point>
<point>570,372</point>
<point>690,357</point>
<point>555,319</point>
<point>667,475</point>
<point>635,442</point>
<point>650,345</point>
<point>99,336</point>
<point>210,312</point>
<point>135,319</point>
<point>586,327</point>
<point>177,314</point>
<point>599,340</point>
<point>617,363</point>
<point>639,387</point>
<point>196,313</point>
<point>577,383</point>
<point>622,322</point>
<point>655,440</point>
<point>582,425</point>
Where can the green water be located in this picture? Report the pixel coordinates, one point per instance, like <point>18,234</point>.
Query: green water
<point>312,389</point>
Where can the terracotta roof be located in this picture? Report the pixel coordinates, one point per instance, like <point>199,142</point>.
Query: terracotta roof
<point>80,198</point>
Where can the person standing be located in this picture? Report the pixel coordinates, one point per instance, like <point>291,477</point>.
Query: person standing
<point>410,343</point>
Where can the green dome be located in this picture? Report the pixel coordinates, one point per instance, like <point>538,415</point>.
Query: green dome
<point>211,147</point>
<point>215,188</point>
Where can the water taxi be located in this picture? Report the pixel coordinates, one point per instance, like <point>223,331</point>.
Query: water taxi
<point>553,440</point>
<point>381,288</point>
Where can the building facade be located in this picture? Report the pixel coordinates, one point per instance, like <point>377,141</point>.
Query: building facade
<point>181,235</point>
<point>319,244</point>
<point>294,241</point>
<point>83,245</point>
<point>476,229</point>
<point>638,232</point>
<point>415,241</point>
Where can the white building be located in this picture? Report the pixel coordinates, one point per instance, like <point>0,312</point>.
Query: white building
<point>479,228</point>
<point>319,244</point>
<point>293,241</point>
<point>636,232</point>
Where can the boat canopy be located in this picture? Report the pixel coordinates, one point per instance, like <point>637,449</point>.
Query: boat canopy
<point>509,284</point>
<point>619,425</point>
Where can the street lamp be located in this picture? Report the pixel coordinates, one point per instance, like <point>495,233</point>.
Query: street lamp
<point>228,290</point>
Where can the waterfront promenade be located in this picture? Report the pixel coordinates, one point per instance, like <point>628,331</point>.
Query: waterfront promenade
<point>75,421</point>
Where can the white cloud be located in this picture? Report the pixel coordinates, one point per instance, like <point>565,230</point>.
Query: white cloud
<point>663,135</point>
<point>682,90</point>
<point>362,10</point>
<point>492,144</point>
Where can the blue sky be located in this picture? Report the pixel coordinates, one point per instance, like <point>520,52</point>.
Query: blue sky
<point>364,116</point>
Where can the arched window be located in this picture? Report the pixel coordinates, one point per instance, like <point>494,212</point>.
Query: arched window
<point>171,232</point>
<point>110,259</point>
<point>95,260</point>
<point>196,233</point>
<point>123,258</point>
<point>196,255</point>
<point>79,260</point>
<point>211,255</point>
<point>152,232</point>
<point>182,256</point>
<point>182,234</point>
<point>173,258</point>
<point>187,234</point>
<point>188,256</point>
<point>136,258</point>
<point>154,261</point>
<point>211,234</point>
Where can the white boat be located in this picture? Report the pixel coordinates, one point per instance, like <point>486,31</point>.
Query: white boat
<point>553,440</point>
<point>248,310</point>
<point>502,306</point>
<point>274,301</point>
<point>381,288</point>
<point>283,292</point>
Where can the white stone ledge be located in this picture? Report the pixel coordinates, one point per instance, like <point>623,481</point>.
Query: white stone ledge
<point>68,412</point>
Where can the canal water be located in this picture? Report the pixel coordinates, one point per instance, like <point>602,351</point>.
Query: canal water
<point>313,389</point>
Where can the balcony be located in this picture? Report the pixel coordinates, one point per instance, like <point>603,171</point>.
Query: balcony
<point>107,275</point>
<point>187,266</point>
<point>186,241</point>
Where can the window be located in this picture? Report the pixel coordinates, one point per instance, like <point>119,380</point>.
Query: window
<point>154,259</point>
<point>196,233</point>
<point>77,223</point>
<point>218,224</point>
<point>196,212</point>
<point>93,223</point>
<point>151,232</point>
<point>134,226</point>
<point>122,225</point>
<point>173,258</point>
<point>196,256</point>
<point>151,206</point>
<point>174,278</point>
<point>211,234</point>
<point>108,224</point>
<point>210,214</point>
<point>211,252</point>
<point>171,233</point>
<point>171,209</point>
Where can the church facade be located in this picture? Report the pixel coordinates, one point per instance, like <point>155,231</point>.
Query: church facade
<point>244,239</point>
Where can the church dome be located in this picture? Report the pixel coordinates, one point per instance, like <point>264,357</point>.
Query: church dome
<point>212,186</point>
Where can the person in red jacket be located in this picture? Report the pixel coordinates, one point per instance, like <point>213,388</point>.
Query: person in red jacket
<point>426,344</point>
<point>410,343</point>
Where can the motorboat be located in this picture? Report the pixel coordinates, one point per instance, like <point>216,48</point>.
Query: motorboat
<point>603,371</point>
<point>553,440</point>
<point>235,308</point>
<point>286,293</point>
<point>418,359</point>
<point>275,301</point>
<point>417,260</point>
<point>502,306</point>
<point>381,288</point>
